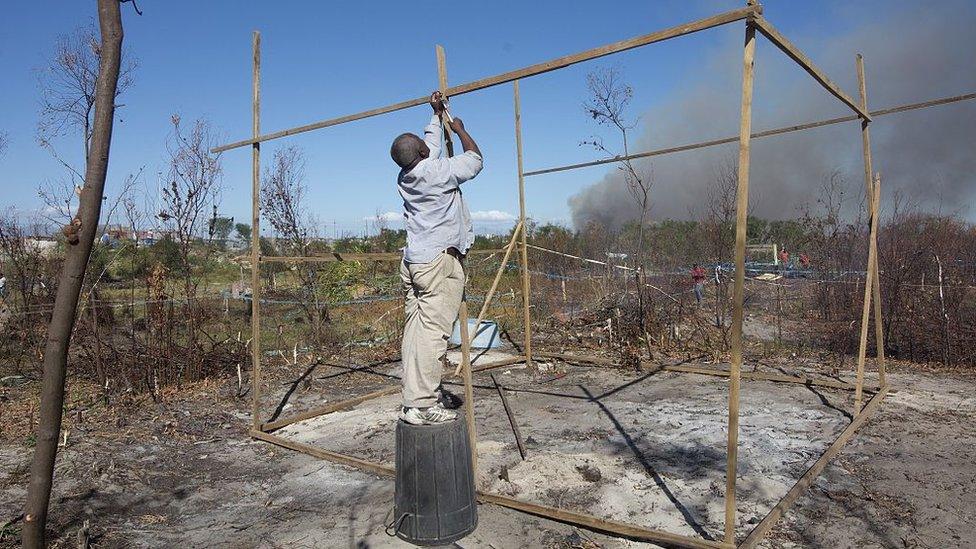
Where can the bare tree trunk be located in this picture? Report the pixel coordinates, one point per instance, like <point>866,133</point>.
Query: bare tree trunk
<point>81,236</point>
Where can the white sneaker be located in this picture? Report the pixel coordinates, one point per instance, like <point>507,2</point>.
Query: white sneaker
<point>427,416</point>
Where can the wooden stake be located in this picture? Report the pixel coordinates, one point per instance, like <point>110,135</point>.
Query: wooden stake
<point>878,324</point>
<point>463,311</point>
<point>868,286</point>
<point>511,417</point>
<point>442,86</point>
<point>870,193</point>
<point>468,385</point>
<point>256,235</point>
<point>741,219</point>
<point>526,284</point>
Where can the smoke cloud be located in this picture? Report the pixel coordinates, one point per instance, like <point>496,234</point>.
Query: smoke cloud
<point>919,53</point>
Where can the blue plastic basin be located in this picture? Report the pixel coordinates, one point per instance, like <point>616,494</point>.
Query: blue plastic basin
<point>486,338</point>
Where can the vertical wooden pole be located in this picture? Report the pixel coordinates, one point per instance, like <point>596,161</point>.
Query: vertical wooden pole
<point>873,207</point>
<point>741,218</point>
<point>256,236</point>
<point>442,86</point>
<point>526,283</point>
<point>870,275</point>
<point>463,311</point>
<point>779,313</point>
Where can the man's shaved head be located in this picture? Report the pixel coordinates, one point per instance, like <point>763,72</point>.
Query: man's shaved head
<point>408,149</point>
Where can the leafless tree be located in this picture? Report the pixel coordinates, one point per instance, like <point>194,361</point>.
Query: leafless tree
<point>283,199</point>
<point>609,97</point>
<point>720,209</point>
<point>4,143</point>
<point>835,243</point>
<point>717,222</point>
<point>191,193</point>
<point>80,235</point>
<point>68,87</point>
<point>188,204</point>
<point>283,202</point>
<point>30,274</point>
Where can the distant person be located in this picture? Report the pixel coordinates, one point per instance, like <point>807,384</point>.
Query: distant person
<point>439,234</point>
<point>804,260</point>
<point>698,278</point>
<point>784,257</point>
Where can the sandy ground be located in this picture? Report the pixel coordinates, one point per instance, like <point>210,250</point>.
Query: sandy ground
<point>644,449</point>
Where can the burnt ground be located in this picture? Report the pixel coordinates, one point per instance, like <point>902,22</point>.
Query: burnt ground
<point>642,448</point>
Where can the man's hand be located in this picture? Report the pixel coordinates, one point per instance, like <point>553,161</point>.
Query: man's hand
<point>467,143</point>
<point>437,102</point>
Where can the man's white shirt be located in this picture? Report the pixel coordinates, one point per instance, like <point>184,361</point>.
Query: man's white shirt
<point>435,214</point>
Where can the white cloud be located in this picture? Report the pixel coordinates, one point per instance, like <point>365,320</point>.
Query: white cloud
<point>385,216</point>
<point>492,216</point>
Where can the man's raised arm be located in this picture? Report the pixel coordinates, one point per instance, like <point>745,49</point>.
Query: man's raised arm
<point>467,143</point>
<point>467,165</point>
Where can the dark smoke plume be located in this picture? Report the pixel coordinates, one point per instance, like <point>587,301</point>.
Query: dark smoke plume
<point>918,53</point>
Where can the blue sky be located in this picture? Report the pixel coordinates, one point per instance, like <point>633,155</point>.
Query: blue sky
<point>324,59</point>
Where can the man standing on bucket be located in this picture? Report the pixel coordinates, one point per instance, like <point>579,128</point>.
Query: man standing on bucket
<point>439,234</point>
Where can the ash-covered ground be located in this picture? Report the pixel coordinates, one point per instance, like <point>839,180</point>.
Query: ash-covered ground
<point>643,448</point>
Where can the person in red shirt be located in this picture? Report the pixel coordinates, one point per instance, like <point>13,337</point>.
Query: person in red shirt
<point>698,278</point>
<point>805,260</point>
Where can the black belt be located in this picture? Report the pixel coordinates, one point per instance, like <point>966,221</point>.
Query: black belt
<point>455,253</point>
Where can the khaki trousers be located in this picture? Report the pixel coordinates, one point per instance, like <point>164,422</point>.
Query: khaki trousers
<point>433,297</point>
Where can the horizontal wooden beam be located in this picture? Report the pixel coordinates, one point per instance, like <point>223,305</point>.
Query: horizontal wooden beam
<point>533,70</point>
<point>764,133</point>
<point>763,376</point>
<point>328,408</point>
<point>578,358</point>
<point>764,526</point>
<point>680,368</point>
<point>335,457</point>
<point>603,525</point>
<point>781,42</point>
<point>497,364</point>
<point>362,256</point>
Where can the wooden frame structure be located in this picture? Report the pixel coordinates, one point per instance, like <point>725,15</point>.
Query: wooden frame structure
<point>754,21</point>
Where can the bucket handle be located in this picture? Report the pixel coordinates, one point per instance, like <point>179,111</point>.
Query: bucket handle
<point>395,525</point>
